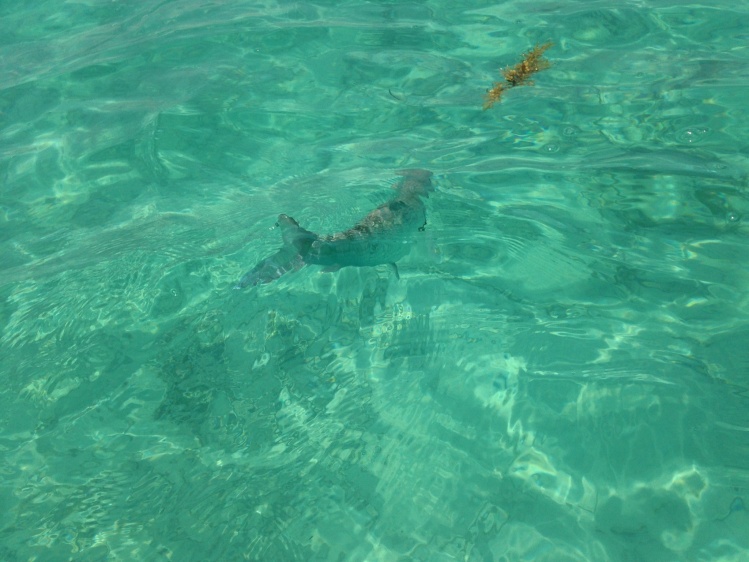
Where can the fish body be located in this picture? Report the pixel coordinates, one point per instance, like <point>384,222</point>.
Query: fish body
<point>381,237</point>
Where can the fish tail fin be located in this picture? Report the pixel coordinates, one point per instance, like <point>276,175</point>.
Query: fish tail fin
<point>296,245</point>
<point>294,235</point>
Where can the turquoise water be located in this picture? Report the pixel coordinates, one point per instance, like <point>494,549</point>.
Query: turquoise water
<point>561,373</point>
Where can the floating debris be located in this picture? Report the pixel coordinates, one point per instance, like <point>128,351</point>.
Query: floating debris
<point>533,61</point>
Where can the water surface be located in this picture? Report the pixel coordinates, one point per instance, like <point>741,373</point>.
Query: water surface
<point>560,373</point>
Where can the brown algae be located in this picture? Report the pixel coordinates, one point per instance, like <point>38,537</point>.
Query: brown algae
<point>533,61</point>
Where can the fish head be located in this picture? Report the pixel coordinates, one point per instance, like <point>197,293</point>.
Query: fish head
<point>416,182</point>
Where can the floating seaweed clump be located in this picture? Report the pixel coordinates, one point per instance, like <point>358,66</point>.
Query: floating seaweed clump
<point>533,61</point>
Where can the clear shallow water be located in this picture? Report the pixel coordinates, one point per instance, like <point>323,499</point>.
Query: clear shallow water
<point>561,372</point>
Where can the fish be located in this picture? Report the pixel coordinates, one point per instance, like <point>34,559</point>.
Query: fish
<point>382,237</point>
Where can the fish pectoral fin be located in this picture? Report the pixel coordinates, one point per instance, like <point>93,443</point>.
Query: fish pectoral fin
<point>394,267</point>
